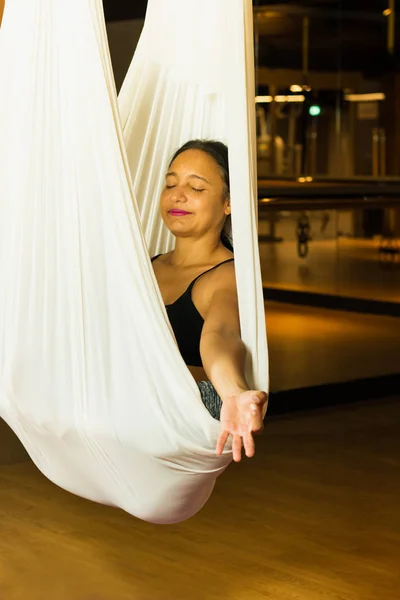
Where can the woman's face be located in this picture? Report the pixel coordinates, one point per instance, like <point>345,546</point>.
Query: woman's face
<point>193,202</point>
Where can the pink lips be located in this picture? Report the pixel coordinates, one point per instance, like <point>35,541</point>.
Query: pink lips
<point>178,213</point>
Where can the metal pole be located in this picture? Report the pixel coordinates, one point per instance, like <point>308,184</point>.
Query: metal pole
<point>382,152</point>
<point>353,120</point>
<point>256,51</point>
<point>391,26</point>
<point>313,147</point>
<point>272,130</point>
<point>298,153</point>
<point>306,44</point>
<point>375,152</point>
<point>291,139</point>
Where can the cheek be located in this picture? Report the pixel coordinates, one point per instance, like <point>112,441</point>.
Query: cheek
<point>164,198</point>
<point>214,207</point>
<point>202,207</point>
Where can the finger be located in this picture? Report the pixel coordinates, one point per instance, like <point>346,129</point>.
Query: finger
<point>260,398</point>
<point>258,431</point>
<point>256,420</point>
<point>249,445</point>
<point>237,448</point>
<point>223,438</point>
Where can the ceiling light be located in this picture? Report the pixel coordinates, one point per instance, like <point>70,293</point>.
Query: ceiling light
<point>364,97</point>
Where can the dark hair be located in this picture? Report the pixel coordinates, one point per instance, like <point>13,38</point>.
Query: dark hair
<point>219,152</point>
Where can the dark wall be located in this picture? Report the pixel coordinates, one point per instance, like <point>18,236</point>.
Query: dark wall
<point>123,37</point>
<point>121,10</point>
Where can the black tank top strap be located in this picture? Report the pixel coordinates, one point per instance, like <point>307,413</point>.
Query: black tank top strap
<point>189,289</point>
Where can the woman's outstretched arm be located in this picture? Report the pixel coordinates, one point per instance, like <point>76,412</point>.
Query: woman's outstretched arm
<point>224,357</point>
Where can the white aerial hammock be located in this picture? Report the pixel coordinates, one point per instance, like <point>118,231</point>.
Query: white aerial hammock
<point>91,380</point>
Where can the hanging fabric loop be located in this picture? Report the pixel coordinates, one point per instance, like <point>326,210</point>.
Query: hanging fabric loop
<point>92,381</point>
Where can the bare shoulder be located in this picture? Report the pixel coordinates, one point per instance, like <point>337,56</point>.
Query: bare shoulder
<point>216,287</point>
<point>223,277</point>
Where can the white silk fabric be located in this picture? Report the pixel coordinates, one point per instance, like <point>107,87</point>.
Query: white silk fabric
<point>92,381</point>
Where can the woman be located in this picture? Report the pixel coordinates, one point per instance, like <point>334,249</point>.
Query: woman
<point>198,285</point>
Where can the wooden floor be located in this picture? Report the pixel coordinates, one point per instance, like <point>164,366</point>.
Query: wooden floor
<point>310,346</point>
<point>314,516</point>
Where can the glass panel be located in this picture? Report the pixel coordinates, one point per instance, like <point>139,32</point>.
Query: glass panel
<point>352,253</point>
<point>323,97</point>
<point>328,127</point>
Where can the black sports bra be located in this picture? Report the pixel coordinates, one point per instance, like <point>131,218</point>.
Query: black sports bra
<point>187,323</point>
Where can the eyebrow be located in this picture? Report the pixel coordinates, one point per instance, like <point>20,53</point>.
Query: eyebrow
<point>192,175</point>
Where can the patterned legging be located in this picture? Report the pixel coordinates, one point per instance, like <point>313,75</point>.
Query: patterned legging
<point>210,398</point>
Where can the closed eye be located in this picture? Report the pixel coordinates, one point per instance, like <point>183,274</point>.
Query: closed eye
<point>169,187</point>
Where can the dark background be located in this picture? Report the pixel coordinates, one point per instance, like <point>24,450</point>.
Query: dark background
<point>345,35</point>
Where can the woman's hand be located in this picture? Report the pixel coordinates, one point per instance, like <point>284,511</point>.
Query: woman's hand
<point>241,416</point>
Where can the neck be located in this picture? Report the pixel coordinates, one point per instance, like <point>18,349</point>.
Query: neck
<point>189,251</point>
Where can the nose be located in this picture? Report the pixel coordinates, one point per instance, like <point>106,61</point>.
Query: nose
<point>178,194</point>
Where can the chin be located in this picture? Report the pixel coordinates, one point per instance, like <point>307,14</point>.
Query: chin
<point>180,233</point>
<point>177,228</point>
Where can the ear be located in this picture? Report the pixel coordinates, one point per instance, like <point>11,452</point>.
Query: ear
<point>228,206</point>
